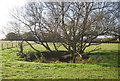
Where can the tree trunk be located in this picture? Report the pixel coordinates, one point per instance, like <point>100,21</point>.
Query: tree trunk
<point>21,50</point>
<point>119,38</point>
<point>74,58</point>
<point>74,51</point>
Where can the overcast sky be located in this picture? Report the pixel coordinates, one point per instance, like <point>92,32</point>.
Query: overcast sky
<point>5,7</point>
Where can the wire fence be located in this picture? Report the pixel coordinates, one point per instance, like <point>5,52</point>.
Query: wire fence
<point>11,44</point>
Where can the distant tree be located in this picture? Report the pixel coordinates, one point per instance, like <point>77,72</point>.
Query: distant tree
<point>14,28</point>
<point>51,37</point>
<point>12,36</point>
<point>28,36</point>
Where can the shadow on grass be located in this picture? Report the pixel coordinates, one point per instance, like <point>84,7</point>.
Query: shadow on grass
<point>109,58</point>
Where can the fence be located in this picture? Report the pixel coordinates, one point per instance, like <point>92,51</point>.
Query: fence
<point>10,44</point>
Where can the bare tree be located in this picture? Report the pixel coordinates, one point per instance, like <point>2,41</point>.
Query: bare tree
<point>114,30</point>
<point>77,24</point>
<point>80,23</point>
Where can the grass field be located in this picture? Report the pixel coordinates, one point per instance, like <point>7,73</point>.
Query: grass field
<point>11,44</point>
<point>14,68</point>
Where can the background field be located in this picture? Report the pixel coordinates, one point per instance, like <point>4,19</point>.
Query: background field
<point>14,68</point>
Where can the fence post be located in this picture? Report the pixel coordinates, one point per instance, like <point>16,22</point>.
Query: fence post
<point>12,45</point>
<point>1,46</point>
<point>16,44</point>
<point>7,45</point>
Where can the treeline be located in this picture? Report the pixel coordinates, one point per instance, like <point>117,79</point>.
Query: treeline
<point>18,37</point>
<point>28,36</point>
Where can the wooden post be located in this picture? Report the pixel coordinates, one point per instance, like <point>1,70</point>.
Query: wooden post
<point>7,45</point>
<point>2,46</point>
<point>17,44</point>
<point>12,45</point>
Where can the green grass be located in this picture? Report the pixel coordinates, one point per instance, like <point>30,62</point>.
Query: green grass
<point>105,46</point>
<point>14,68</point>
<point>11,44</point>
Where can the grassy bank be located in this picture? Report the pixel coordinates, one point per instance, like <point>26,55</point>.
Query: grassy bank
<point>14,68</point>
